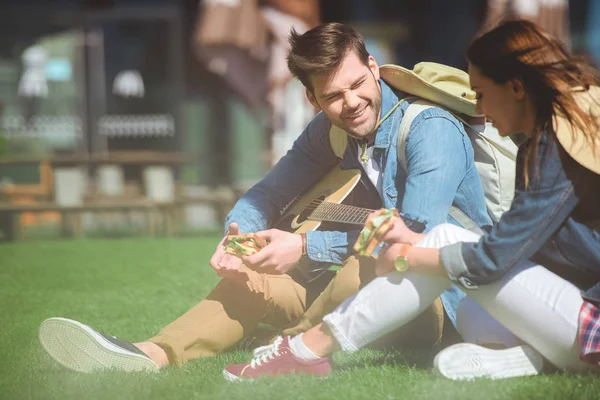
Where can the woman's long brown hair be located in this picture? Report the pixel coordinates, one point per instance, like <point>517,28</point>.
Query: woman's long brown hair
<point>520,49</point>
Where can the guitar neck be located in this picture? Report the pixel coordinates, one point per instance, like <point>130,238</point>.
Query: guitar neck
<point>342,213</point>
<point>345,214</point>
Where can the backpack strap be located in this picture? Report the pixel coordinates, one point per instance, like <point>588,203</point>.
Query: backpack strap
<point>414,109</point>
<point>464,220</point>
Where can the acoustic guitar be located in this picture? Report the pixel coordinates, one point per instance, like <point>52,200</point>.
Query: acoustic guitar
<point>323,202</point>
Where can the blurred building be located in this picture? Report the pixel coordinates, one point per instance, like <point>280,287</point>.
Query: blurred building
<point>106,75</point>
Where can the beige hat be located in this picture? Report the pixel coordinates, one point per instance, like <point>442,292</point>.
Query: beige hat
<point>450,88</point>
<point>441,84</point>
<point>573,140</point>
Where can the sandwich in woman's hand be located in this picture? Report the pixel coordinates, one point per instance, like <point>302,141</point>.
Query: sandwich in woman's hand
<point>374,229</point>
<point>244,245</point>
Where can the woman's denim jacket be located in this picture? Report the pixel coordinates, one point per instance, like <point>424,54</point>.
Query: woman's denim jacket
<point>554,223</point>
<point>442,173</point>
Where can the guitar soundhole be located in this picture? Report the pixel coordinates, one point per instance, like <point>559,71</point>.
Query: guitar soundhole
<point>308,210</point>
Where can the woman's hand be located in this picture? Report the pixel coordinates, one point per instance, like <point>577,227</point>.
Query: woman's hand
<point>398,233</point>
<point>386,258</point>
<point>420,259</point>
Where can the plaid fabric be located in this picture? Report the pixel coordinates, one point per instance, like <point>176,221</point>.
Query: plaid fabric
<point>589,333</point>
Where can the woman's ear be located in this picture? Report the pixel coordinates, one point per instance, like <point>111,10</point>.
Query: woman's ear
<point>518,88</point>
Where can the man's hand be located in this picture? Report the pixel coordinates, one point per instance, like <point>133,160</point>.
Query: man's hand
<point>226,265</point>
<point>281,254</point>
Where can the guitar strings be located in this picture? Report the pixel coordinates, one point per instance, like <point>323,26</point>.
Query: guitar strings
<point>312,205</point>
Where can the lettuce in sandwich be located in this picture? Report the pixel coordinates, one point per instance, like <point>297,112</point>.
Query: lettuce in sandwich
<point>374,229</point>
<point>244,245</point>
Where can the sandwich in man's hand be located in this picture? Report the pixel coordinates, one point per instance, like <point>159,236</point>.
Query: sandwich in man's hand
<point>374,229</point>
<point>244,245</point>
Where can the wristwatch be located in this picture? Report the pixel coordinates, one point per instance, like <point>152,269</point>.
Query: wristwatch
<point>401,262</point>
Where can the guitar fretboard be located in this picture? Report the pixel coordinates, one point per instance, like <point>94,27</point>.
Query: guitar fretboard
<point>342,213</point>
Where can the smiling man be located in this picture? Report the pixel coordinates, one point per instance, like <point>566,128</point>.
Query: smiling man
<point>351,95</point>
<point>287,283</point>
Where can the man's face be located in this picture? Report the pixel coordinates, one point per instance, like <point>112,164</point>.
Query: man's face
<point>350,96</point>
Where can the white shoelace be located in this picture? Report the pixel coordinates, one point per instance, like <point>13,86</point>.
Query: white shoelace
<point>265,353</point>
<point>263,349</point>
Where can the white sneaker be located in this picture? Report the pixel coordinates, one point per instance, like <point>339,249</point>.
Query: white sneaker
<point>80,348</point>
<point>466,361</point>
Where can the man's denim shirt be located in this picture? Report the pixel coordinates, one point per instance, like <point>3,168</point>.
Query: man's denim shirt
<point>442,172</point>
<point>549,223</point>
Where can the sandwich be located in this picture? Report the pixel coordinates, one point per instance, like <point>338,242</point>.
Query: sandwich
<point>244,245</point>
<point>374,229</point>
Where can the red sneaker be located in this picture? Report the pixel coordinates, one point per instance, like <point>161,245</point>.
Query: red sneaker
<point>276,360</point>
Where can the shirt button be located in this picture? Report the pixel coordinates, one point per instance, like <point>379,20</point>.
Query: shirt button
<point>318,255</point>
<point>467,283</point>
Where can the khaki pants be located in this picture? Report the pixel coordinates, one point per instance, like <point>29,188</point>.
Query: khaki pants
<point>233,311</point>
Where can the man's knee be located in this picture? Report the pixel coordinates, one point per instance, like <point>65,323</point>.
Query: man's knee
<point>346,282</point>
<point>356,272</point>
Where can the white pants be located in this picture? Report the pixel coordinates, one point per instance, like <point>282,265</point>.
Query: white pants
<point>537,306</point>
<point>475,325</point>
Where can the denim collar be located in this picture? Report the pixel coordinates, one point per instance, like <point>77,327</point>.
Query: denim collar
<point>384,134</point>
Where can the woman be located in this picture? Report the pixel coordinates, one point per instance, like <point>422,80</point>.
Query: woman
<point>537,271</point>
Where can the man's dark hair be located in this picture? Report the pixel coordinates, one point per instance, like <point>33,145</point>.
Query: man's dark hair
<point>321,50</point>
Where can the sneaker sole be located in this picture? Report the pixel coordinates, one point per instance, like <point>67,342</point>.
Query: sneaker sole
<point>234,378</point>
<point>466,361</point>
<point>80,348</point>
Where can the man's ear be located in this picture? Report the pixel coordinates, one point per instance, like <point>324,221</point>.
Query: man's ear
<point>374,67</point>
<point>518,88</point>
<point>311,98</point>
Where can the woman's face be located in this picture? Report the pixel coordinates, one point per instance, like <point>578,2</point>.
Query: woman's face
<point>501,103</point>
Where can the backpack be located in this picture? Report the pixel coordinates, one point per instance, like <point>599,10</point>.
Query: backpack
<point>495,160</point>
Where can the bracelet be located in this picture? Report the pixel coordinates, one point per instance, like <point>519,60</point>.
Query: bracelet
<point>304,252</point>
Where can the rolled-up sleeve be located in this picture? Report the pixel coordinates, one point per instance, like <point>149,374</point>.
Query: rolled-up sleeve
<point>331,247</point>
<point>453,261</point>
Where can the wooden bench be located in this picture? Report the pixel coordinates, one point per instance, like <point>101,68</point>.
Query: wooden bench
<point>161,218</point>
<point>10,216</point>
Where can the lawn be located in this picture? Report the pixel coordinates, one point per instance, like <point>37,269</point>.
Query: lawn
<point>132,287</point>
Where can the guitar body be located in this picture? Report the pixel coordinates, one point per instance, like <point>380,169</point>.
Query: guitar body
<point>323,206</point>
<point>335,187</point>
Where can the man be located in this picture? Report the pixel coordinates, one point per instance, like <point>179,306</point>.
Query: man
<point>277,285</point>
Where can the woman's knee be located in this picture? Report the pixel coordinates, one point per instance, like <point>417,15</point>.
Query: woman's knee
<point>447,234</point>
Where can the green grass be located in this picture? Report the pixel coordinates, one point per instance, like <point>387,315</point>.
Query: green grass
<point>132,287</point>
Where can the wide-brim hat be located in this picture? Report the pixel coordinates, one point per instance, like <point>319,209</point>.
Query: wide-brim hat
<point>572,138</point>
<point>441,84</point>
